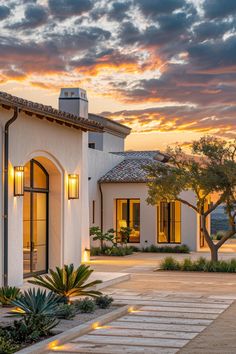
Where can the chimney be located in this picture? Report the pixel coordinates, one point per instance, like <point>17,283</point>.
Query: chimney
<point>74,101</point>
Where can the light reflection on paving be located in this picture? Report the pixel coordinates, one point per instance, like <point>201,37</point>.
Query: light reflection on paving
<point>163,324</point>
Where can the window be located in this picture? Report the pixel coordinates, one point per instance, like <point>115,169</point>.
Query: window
<point>169,222</point>
<point>91,145</point>
<point>128,215</point>
<point>93,211</point>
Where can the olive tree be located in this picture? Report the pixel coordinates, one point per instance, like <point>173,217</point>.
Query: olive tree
<point>209,169</point>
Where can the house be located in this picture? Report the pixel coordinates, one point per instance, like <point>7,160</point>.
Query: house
<point>118,192</point>
<point>44,192</point>
<point>65,170</point>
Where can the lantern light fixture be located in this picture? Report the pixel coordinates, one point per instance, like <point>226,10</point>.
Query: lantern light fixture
<point>18,181</point>
<point>73,186</point>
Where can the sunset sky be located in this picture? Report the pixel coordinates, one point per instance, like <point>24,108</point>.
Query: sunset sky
<point>166,68</point>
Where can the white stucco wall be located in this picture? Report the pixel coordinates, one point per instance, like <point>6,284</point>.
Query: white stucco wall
<point>107,142</point>
<point>66,150</point>
<point>148,217</point>
<point>99,163</point>
<point>113,143</point>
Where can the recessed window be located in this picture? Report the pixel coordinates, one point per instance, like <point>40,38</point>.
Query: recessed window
<point>91,145</point>
<point>128,215</point>
<point>169,222</point>
<point>93,212</point>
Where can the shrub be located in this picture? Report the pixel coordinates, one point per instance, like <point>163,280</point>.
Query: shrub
<point>169,263</point>
<point>200,265</point>
<point>104,301</point>
<point>68,282</point>
<point>86,305</point>
<point>7,346</point>
<point>31,328</point>
<point>66,311</point>
<point>34,302</point>
<point>118,251</point>
<point>166,249</point>
<point>7,294</point>
<point>95,251</point>
<point>187,265</point>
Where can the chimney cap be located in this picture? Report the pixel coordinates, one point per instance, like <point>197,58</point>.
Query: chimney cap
<point>73,93</point>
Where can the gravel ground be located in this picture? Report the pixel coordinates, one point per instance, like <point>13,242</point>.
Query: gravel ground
<point>81,318</point>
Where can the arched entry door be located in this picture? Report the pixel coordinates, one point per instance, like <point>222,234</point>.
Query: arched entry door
<point>35,219</point>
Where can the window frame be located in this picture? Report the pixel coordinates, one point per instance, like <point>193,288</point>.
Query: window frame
<point>128,216</point>
<point>169,221</point>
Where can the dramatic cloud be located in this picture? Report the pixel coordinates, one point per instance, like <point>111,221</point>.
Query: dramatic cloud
<point>215,119</point>
<point>62,9</point>
<point>176,56</point>
<point>216,8</point>
<point>35,15</point>
<point>4,12</point>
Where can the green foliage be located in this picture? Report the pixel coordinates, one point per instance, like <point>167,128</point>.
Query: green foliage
<point>119,251</point>
<point>66,311</point>
<point>166,249</point>
<point>169,263</point>
<point>7,346</point>
<point>125,233</point>
<point>31,328</point>
<point>34,302</point>
<point>104,301</point>
<point>112,251</point>
<point>86,305</point>
<point>68,282</point>
<point>7,294</point>
<point>210,170</point>
<point>108,236</point>
<point>200,265</point>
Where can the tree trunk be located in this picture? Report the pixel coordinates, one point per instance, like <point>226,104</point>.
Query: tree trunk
<point>214,253</point>
<point>209,241</point>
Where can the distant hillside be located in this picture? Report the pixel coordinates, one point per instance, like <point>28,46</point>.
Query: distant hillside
<point>219,220</point>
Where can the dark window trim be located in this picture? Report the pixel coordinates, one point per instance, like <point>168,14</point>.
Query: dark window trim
<point>92,145</point>
<point>169,228</point>
<point>31,189</point>
<point>93,212</point>
<point>128,215</point>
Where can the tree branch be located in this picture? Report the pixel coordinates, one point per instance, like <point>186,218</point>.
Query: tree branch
<point>219,201</point>
<point>187,203</point>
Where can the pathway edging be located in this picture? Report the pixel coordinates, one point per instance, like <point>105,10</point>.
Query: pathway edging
<point>75,332</point>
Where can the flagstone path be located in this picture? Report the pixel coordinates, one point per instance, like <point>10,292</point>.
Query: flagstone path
<point>163,323</point>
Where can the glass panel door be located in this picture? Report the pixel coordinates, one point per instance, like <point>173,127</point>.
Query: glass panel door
<point>35,220</point>
<point>26,234</point>
<point>39,235</point>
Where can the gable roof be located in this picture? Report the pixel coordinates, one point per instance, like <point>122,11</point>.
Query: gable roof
<point>111,126</point>
<point>43,111</point>
<point>131,169</point>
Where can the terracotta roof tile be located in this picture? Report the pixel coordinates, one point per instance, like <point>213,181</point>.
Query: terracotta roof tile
<point>48,111</point>
<point>128,171</point>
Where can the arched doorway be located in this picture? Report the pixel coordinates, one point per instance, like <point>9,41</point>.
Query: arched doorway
<point>35,219</point>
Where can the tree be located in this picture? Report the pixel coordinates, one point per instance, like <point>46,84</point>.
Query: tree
<point>97,234</point>
<point>210,169</point>
<point>125,233</point>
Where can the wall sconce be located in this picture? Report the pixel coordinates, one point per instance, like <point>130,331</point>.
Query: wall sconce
<point>18,181</point>
<point>73,186</point>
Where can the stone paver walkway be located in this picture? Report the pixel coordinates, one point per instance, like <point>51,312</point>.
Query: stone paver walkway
<point>164,323</point>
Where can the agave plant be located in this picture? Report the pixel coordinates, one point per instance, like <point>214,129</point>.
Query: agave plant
<point>8,294</point>
<point>68,282</point>
<point>34,302</point>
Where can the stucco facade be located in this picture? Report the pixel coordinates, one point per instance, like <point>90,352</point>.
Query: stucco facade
<point>148,214</point>
<point>61,150</point>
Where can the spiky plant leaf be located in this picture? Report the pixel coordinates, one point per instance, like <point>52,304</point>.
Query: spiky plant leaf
<point>68,282</point>
<point>34,302</point>
<point>8,294</point>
